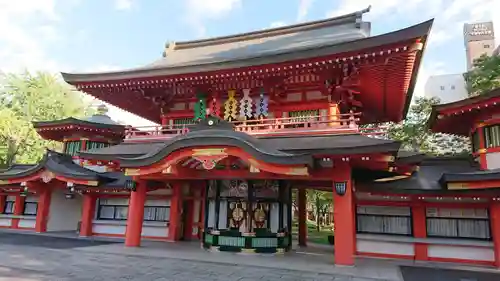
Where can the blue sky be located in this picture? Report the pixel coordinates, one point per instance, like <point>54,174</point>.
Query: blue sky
<point>100,35</point>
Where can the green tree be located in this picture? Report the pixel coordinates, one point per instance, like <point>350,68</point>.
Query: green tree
<point>28,97</point>
<point>484,76</point>
<point>415,136</point>
<point>321,201</point>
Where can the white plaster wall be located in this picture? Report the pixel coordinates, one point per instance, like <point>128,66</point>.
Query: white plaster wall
<point>223,214</point>
<point>159,230</point>
<point>382,247</point>
<point>285,215</point>
<point>493,160</point>
<point>6,222</point>
<point>109,227</point>
<point>196,216</point>
<point>463,253</point>
<point>27,222</point>
<point>274,217</point>
<point>64,214</point>
<point>211,213</point>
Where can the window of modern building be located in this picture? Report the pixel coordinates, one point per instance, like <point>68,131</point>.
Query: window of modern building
<point>10,202</point>
<point>442,88</point>
<point>452,87</point>
<point>384,220</point>
<point>486,46</point>
<point>458,223</point>
<point>30,206</point>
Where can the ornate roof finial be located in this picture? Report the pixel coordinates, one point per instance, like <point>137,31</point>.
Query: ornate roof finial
<point>102,109</point>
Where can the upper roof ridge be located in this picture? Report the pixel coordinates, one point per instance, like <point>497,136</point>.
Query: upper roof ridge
<point>354,17</point>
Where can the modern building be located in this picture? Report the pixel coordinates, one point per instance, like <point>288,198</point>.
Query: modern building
<point>479,39</point>
<point>246,120</point>
<point>447,87</point>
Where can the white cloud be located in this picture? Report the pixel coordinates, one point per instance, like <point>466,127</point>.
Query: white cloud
<point>26,28</point>
<point>276,24</point>
<point>198,11</point>
<point>123,4</point>
<point>304,6</point>
<point>450,15</point>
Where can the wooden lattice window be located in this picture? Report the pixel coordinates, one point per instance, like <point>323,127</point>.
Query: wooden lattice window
<point>72,147</point>
<point>301,116</point>
<point>96,144</point>
<point>182,122</point>
<point>492,136</point>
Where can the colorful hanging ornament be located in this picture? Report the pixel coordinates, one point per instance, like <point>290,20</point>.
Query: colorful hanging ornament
<point>200,107</point>
<point>246,105</point>
<point>261,105</point>
<point>231,106</point>
<point>214,107</point>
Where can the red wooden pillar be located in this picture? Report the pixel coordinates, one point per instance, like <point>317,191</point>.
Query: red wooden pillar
<point>495,230</point>
<point>188,228</point>
<point>3,198</point>
<point>203,201</point>
<point>344,218</point>
<point>419,230</point>
<point>175,208</point>
<point>164,121</point>
<point>18,210</point>
<point>88,211</point>
<point>42,212</point>
<point>135,215</point>
<point>302,208</point>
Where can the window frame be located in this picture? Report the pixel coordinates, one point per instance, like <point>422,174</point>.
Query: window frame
<point>457,219</point>
<point>4,211</point>
<point>114,206</point>
<point>488,136</point>
<point>156,208</point>
<point>409,217</point>
<point>26,203</point>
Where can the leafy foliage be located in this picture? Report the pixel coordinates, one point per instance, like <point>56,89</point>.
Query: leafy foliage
<point>321,201</point>
<point>415,136</point>
<point>484,76</point>
<point>25,98</point>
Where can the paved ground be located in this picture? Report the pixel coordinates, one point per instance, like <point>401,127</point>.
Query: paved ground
<point>61,259</point>
<point>50,261</point>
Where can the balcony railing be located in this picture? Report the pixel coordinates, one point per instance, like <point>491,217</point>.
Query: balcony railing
<point>310,125</point>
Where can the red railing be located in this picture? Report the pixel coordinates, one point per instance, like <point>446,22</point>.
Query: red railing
<point>314,125</point>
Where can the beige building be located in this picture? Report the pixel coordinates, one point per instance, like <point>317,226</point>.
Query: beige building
<point>479,39</point>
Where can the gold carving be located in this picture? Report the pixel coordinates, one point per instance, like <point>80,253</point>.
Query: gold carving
<point>167,170</point>
<point>458,186</point>
<point>209,152</point>
<point>302,171</point>
<point>2,182</point>
<point>47,176</point>
<point>482,150</point>
<point>254,169</point>
<point>132,172</point>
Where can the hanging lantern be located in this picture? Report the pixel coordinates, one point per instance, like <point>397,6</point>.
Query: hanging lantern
<point>341,188</point>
